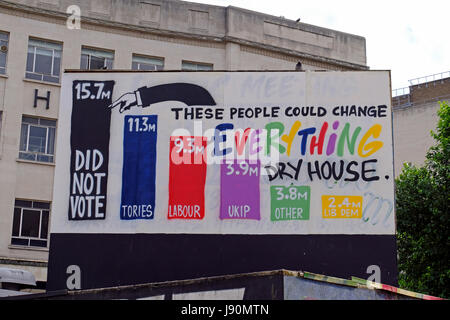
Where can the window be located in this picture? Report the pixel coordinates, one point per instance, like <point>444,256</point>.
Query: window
<point>43,61</point>
<point>147,63</point>
<point>92,59</point>
<point>3,51</point>
<point>197,66</point>
<point>30,223</point>
<point>37,139</point>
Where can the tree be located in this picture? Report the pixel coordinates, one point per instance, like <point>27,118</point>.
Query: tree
<point>422,197</point>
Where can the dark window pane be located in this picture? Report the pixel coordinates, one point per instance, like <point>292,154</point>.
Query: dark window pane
<point>30,120</point>
<point>109,64</point>
<point>41,205</point>
<point>2,70</point>
<point>56,66</point>
<point>23,203</point>
<point>195,66</point>
<point>16,222</point>
<point>30,59</point>
<point>33,76</point>
<point>20,242</point>
<point>43,62</point>
<point>30,223</point>
<point>97,63</point>
<point>37,139</point>
<point>134,66</point>
<point>147,67</point>
<point>188,66</point>
<point>23,137</point>
<point>27,156</point>
<point>38,243</point>
<point>50,79</point>
<point>84,62</point>
<point>45,122</point>
<point>44,225</point>
<point>44,158</point>
<point>2,59</point>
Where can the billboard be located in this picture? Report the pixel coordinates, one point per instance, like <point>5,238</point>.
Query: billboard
<point>179,175</point>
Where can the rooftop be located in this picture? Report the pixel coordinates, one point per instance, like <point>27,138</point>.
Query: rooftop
<point>208,23</point>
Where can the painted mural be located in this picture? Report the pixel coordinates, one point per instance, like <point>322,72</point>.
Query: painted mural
<point>225,153</point>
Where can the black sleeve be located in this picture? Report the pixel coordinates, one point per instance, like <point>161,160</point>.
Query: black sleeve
<point>190,94</point>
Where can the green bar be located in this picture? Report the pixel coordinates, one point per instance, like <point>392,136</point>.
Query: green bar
<point>289,203</point>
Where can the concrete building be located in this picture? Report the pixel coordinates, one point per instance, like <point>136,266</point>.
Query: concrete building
<point>39,40</point>
<point>415,115</point>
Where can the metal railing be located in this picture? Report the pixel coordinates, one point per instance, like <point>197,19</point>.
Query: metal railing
<point>419,81</point>
<point>400,92</point>
<point>429,78</point>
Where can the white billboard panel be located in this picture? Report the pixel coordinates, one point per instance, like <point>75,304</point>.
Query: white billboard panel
<point>225,153</point>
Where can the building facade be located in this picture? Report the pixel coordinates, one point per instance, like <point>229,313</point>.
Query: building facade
<point>39,39</point>
<point>415,115</point>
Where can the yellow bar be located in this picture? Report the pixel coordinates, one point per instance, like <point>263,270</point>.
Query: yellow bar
<point>342,207</point>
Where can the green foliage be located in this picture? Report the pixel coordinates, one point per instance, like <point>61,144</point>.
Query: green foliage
<point>423,217</point>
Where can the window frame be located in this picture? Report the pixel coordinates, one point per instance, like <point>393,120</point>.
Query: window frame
<point>30,239</point>
<point>47,137</point>
<point>85,51</point>
<point>4,68</point>
<point>197,64</point>
<point>37,45</point>
<point>140,56</point>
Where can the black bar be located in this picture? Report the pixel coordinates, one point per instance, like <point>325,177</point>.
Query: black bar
<point>109,260</point>
<point>89,141</point>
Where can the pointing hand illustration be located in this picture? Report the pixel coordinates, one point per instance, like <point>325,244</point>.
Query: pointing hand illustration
<point>188,93</point>
<point>125,102</point>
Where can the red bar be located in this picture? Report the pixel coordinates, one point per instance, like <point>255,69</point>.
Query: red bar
<point>187,176</point>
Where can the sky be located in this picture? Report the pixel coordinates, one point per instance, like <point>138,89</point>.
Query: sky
<point>410,38</point>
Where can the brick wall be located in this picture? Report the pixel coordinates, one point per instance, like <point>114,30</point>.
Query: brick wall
<point>425,92</point>
<point>430,90</point>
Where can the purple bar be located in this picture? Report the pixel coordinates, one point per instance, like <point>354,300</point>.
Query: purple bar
<point>239,190</point>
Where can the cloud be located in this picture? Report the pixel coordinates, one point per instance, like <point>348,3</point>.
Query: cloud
<point>410,36</point>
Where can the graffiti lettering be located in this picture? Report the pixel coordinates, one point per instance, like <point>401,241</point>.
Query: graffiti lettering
<point>86,199</point>
<point>326,170</point>
<point>380,205</point>
<point>361,111</point>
